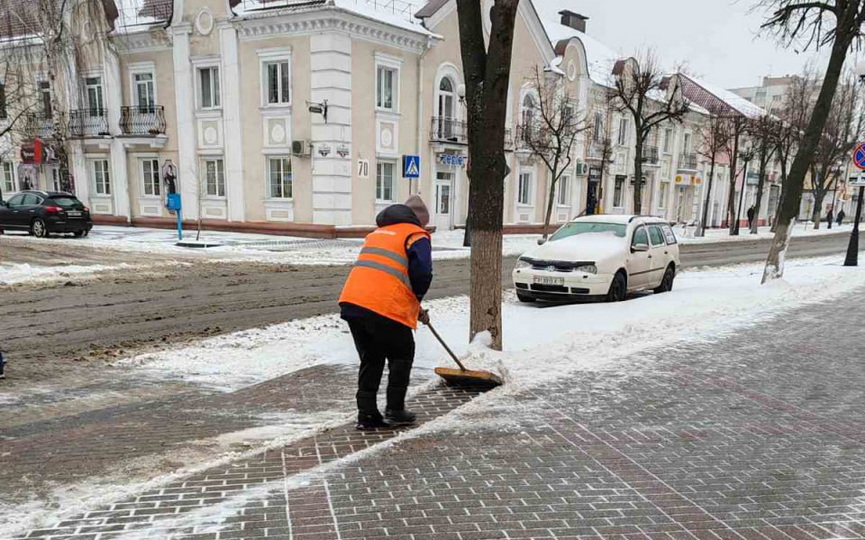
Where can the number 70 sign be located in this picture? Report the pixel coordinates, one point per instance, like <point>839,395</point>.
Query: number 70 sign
<point>363,168</point>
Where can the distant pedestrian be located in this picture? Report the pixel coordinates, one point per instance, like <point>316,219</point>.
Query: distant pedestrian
<point>830,217</point>
<point>751,212</point>
<point>841,216</point>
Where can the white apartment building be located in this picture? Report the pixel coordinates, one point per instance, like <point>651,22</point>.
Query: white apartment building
<point>295,117</point>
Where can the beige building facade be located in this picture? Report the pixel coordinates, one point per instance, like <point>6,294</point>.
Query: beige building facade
<point>297,118</point>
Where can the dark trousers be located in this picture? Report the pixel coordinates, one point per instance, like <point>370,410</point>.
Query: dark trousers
<point>378,339</point>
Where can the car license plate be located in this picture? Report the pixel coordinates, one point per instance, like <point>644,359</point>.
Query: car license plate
<point>73,213</point>
<point>543,280</point>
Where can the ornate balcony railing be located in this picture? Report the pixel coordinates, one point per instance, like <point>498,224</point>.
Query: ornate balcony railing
<point>688,162</point>
<point>39,125</point>
<point>143,120</point>
<point>451,130</point>
<point>650,155</point>
<point>89,123</point>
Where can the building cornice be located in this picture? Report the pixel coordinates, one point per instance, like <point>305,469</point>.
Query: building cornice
<point>331,20</point>
<point>156,39</point>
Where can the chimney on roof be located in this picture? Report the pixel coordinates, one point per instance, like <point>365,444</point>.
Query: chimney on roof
<point>574,20</point>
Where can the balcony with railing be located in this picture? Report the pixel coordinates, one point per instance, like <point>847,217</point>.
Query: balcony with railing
<point>650,155</point>
<point>142,121</point>
<point>449,130</point>
<point>39,125</point>
<point>86,123</point>
<point>688,162</point>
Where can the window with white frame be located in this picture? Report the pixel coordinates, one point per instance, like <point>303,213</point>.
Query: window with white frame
<point>618,192</point>
<point>277,81</point>
<point>214,177</point>
<point>8,178</point>
<point>524,188</point>
<point>387,81</point>
<point>280,180</point>
<point>208,87</point>
<point>668,141</point>
<point>564,190</point>
<point>152,187</point>
<point>623,131</point>
<point>145,92</point>
<point>384,181</point>
<point>686,143</point>
<point>101,177</point>
<point>95,100</point>
<point>598,127</point>
<point>662,194</point>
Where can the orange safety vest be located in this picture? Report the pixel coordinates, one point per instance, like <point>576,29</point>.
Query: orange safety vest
<point>379,280</point>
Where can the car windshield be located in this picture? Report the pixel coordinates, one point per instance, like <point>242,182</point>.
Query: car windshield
<point>67,202</point>
<point>585,227</point>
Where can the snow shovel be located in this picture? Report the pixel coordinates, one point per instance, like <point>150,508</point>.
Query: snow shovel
<point>463,376</point>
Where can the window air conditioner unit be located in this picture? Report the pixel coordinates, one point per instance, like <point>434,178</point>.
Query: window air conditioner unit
<point>582,169</point>
<point>301,148</point>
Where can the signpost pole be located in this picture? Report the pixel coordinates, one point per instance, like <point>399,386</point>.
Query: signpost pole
<point>853,248</point>
<point>180,225</point>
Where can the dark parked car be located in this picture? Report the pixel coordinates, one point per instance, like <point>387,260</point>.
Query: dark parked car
<point>45,212</point>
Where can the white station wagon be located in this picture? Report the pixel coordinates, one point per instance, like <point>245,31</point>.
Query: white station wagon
<point>600,257</point>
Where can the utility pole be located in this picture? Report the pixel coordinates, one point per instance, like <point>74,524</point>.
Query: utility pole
<point>853,248</point>
<point>747,156</point>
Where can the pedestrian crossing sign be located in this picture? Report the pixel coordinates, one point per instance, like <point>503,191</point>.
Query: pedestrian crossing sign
<point>411,166</point>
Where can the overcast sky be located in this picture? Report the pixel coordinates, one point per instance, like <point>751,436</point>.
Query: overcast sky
<point>717,38</point>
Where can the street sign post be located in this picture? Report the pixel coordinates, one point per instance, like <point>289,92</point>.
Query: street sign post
<point>852,258</point>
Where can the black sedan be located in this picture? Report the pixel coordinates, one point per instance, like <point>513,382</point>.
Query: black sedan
<point>44,212</point>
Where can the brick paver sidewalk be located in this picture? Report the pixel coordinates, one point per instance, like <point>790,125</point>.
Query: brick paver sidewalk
<point>757,436</point>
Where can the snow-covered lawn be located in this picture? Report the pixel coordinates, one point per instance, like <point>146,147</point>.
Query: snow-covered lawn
<point>686,235</point>
<point>704,304</point>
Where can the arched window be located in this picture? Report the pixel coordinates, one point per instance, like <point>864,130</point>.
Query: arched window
<point>528,115</point>
<point>447,113</point>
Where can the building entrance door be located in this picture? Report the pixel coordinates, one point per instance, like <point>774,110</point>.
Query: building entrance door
<point>444,201</point>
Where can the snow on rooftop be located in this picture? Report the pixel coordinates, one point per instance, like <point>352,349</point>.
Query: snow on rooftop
<point>734,101</point>
<point>141,14</point>
<point>398,13</point>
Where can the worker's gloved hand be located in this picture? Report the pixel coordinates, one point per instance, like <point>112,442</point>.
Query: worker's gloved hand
<point>423,316</point>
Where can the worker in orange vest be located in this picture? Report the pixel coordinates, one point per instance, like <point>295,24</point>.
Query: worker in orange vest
<point>381,302</point>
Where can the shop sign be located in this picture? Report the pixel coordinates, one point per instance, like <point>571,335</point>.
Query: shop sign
<point>452,160</point>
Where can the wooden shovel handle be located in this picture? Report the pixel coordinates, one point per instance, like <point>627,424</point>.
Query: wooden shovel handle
<point>445,345</point>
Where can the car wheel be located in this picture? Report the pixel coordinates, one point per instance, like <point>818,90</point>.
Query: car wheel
<point>79,234</point>
<point>525,298</point>
<point>667,282</point>
<point>38,228</point>
<point>618,288</point>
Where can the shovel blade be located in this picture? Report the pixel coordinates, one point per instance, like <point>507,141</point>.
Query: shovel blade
<point>469,378</point>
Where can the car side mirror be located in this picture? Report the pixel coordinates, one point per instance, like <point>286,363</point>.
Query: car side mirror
<point>639,248</point>
<point>542,241</point>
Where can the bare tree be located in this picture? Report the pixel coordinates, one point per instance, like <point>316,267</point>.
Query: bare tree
<point>835,23</point>
<point>762,132</point>
<point>643,92</point>
<point>793,119</point>
<point>736,126</point>
<point>47,38</point>
<point>714,138</point>
<point>840,136</point>
<point>550,130</point>
<point>488,71</point>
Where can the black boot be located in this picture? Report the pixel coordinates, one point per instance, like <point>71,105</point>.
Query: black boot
<point>399,418</point>
<point>370,422</point>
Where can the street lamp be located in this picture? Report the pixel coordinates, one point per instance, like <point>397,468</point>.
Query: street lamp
<point>746,155</point>
<point>852,258</point>
<point>833,211</point>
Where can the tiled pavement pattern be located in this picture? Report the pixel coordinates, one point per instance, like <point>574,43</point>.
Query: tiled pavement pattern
<point>756,436</point>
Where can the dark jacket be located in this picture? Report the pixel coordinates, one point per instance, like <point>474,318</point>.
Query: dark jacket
<point>420,269</point>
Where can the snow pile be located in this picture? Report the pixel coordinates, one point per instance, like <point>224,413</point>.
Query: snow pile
<point>553,341</point>
<point>21,273</point>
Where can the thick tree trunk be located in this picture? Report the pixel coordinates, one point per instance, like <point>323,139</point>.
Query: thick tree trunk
<point>638,177</point>
<point>796,181</point>
<point>777,209</point>
<point>487,72</point>
<point>817,214</point>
